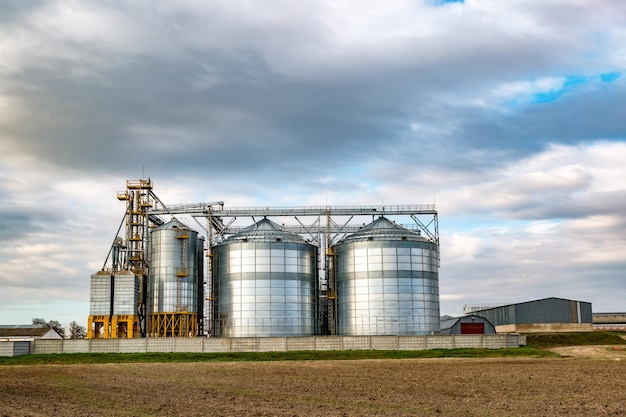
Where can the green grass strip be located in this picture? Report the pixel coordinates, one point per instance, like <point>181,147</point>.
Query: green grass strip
<point>90,358</point>
<point>550,340</point>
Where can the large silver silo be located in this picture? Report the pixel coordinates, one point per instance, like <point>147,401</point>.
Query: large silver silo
<point>174,270</point>
<point>387,282</point>
<point>265,283</point>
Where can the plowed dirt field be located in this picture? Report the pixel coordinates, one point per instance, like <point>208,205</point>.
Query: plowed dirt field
<point>408,387</point>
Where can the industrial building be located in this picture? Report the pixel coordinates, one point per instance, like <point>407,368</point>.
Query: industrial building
<point>267,272</point>
<point>609,321</point>
<point>27,332</point>
<point>469,324</point>
<point>15,340</point>
<point>544,315</point>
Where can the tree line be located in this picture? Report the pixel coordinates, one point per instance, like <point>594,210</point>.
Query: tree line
<point>73,331</point>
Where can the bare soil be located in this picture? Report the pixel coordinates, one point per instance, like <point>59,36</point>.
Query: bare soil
<point>617,353</point>
<point>408,387</point>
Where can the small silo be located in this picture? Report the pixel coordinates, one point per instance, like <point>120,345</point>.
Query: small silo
<point>387,282</point>
<point>174,270</point>
<point>114,298</point>
<point>264,283</point>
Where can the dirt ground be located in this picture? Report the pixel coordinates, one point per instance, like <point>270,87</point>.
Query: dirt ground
<point>570,386</point>
<point>592,352</point>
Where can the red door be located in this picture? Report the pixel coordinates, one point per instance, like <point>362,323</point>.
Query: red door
<point>472,328</point>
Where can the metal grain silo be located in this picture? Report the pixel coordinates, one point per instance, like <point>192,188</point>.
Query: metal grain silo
<point>174,268</point>
<point>387,282</point>
<point>114,298</point>
<point>264,283</point>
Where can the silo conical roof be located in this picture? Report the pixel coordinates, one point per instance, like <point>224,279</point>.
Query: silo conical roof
<point>265,231</point>
<point>173,224</point>
<point>383,229</point>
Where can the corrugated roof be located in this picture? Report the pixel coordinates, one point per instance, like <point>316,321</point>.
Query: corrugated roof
<point>383,229</point>
<point>449,323</point>
<point>265,231</point>
<point>24,331</point>
<point>528,302</point>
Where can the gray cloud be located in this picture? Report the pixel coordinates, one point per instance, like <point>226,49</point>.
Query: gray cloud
<point>316,102</point>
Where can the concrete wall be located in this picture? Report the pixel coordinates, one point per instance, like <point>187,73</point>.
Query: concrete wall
<point>278,344</point>
<point>14,347</point>
<point>545,328</point>
<point>611,327</point>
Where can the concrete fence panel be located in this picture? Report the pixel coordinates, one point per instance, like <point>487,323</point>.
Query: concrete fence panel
<point>411,342</point>
<point>439,342</point>
<point>356,343</point>
<point>244,344</point>
<point>272,344</point>
<point>133,345</point>
<point>41,346</point>
<point>215,344</point>
<point>301,343</point>
<point>105,345</point>
<point>328,343</point>
<point>187,345</point>
<point>466,341</point>
<point>7,347</point>
<point>494,341</point>
<point>384,342</point>
<point>76,346</point>
<point>156,344</point>
<point>515,341</point>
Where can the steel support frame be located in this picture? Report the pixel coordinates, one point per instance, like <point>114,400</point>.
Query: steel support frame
<point>144,209</point>
<point>338,223</point>
<point>181,324</point>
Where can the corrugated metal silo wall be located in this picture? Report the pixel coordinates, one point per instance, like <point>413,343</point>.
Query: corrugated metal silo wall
<point>387,287</point>
<point>265,289</point>
<point>173,283</point>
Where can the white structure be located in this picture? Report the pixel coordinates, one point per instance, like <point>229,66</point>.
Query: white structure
<point>27,332</point>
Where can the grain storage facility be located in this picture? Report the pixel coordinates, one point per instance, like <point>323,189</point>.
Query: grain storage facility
<point>387,282</point>
<point>324,272</point>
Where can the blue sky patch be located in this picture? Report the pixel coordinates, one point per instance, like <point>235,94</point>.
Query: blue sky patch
<point>443,2</point>
<point>573,82</point>
<point>609,77</point>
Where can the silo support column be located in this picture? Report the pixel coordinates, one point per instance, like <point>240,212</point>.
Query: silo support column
<point>174,324</point>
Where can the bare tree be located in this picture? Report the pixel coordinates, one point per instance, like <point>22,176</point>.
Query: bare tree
<point>77,331</point>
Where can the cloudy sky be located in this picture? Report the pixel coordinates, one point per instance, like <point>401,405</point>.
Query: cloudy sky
<point>509,115</point>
